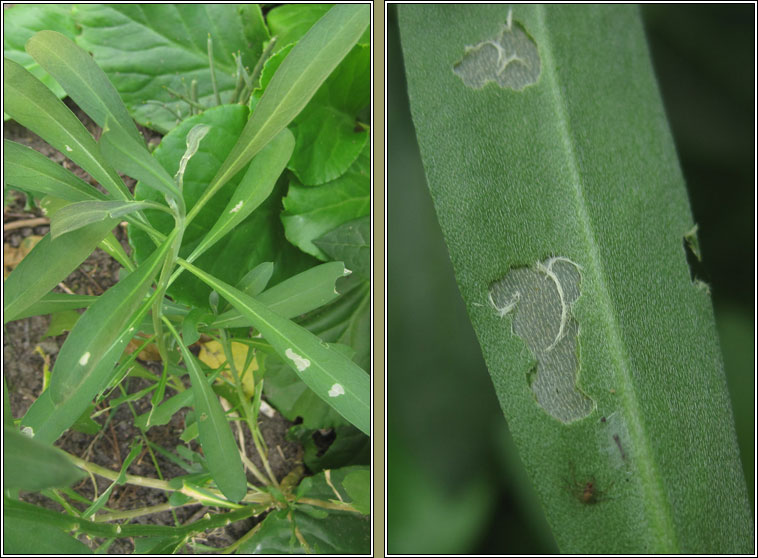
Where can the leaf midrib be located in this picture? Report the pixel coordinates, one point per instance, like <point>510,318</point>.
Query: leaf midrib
<point>657,506</point>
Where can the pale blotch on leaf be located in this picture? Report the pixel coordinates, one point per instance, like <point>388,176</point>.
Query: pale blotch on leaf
<point>68,148</point>
<point>336,390</point>
<point>510,59</point>
<point>85,359</point>
<point>301,363</point>
<point>236,208</point>
<point>539,300</point>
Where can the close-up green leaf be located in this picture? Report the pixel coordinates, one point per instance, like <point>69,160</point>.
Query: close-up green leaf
<point>559,193</point>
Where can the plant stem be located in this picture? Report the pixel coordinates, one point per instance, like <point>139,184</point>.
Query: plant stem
<point>255,498</point>
<point>165,106</point>
<point>238,84</point>
<point>236,544</point>
<point>327,505</point>
<point>245,405</point>
<point>213,71</point>
<point>185,98</point>
<point>130,514</point>
<point>258,69</point>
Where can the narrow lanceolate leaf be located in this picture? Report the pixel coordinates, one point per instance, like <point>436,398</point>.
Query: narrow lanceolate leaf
<point>30,171</point>
<point>292,297</point>
<point>258,182</point>
<point>132,158</point>
<point>100,327</point>
<point>31,465</point>
<point>77,215</point>
<point>56,302</point>
<point>216,436</point>
<point>82,79</point>
<point>298,78</point>
<point>330,374</point>
<point>49,263</point>
<point>48,421</point>
<point>566,232</point>
<point>30,103</point>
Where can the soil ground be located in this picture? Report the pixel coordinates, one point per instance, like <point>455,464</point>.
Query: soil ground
<point>25,349</point>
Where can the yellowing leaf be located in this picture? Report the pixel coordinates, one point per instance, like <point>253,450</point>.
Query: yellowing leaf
<point>212,354</point>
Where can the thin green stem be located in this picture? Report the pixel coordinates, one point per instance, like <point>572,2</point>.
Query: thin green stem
<point>250,498</point>
<point>240,79</point>
<point>131,514</point>
<point>245,405</point>
<point>213,71</point>
<point>259,68</point>
<point>185,98</point>
<point>166,107</point>
<point>239,542</point>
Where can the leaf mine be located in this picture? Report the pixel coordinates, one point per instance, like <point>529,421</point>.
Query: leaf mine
<point>540,298</point>
<point>510,59</point>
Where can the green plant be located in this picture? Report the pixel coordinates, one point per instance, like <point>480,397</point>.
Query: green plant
<point>214,182</point>
<point>521,174</point>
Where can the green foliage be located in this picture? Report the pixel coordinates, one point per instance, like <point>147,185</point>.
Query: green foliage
<point>580,165</point>
<point>208,200</point>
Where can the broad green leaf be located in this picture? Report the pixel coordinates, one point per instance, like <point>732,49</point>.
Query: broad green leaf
<point>80,214</point>
<point>289,22</point>
<point>235,255</point>
<point>350,243</point>
<point>176,36</point>
<point>29,536</point>
<point>216,438</point>
<point>102,325</point>
<point>310,212</point>
<point>35,107</point>
<point>22,21</point>
<point>306,67</point>
<point>334,378</point>
<point>575,190</point>
<point>328,138</point>
<point>132,158</point>
<point>337,533</point>
<point>254,187</point>
<point>292,297</point>
<point>30,171</point>
<point>83,80</point>
<point>357,484</point>
<point>49,263</point>
<point>31,465</point>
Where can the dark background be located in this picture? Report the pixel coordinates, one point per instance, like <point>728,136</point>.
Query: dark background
<point>454,481</point>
